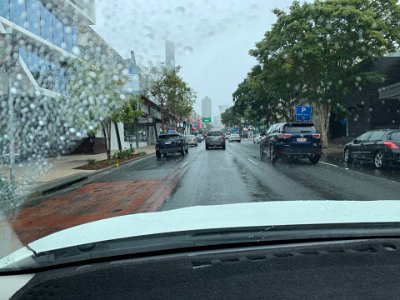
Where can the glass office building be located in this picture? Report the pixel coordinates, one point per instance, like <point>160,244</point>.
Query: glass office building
<point>58,29</point>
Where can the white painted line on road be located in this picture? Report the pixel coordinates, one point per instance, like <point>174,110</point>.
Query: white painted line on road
<point>184,165</point>
<point>253,162</point>
<point>325,163</point>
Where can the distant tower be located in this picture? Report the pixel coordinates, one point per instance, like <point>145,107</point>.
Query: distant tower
<point>206,108</point>
<point>170,55</point>
<point>133,84</point>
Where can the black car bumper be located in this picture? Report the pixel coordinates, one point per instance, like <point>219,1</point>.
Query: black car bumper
<point>299,152</point>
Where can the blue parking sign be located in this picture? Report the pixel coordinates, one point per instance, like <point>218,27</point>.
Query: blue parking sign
<point>303,113</point>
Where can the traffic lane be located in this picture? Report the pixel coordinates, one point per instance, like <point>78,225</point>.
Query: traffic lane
<point>391,172</point>
<point>233,176</point>
<point>132,188</point>
<point>151,168</point>
<point>333,182</point>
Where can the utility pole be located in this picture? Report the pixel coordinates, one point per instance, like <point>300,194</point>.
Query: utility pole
<point>6,59</point>
<point>11,128</point>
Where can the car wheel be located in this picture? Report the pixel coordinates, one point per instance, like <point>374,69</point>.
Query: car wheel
<point>187,150</point>
<point>272,156</point>
<point>183,151</point>
<point>314,159</point>
<point>379,161</point>
<point>262,154</point>
<point>158,154</point>
<point>347,156</point>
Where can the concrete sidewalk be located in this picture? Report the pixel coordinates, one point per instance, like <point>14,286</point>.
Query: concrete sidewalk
<point>37,177</point>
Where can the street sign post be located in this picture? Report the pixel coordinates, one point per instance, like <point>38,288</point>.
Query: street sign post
<point>303,113</point>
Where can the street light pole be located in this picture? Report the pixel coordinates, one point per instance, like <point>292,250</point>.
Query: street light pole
<point>11,128</point>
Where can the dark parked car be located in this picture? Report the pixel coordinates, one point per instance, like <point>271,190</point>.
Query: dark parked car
<point>171,143</point>
<point>291,140</point>
<point>382,147</point>
<point>215,139</point>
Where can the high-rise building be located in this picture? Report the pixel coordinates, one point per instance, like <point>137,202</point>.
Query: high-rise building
<point>170,55</point>
<point>206,109</point>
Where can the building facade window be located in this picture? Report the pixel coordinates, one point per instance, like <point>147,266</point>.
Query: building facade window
<point>38,19</point>
<point>46,24</point>
<point>5,8</point>
<point>18,12</point>
<point>48,75</point>
<point>33,17</point>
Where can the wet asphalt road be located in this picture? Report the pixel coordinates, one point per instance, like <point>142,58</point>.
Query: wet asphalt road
<point>238,175</point>
<point>202,177</point>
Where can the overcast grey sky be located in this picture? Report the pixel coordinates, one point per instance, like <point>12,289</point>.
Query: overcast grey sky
<point>212,37</point>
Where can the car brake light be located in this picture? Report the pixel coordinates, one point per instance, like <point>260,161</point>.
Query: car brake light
<point>316,136</point>
<point>284,136</point>
<point>391,145</point>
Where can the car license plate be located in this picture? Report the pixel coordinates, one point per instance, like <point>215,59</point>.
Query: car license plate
<point>302,140</point>
<point>168,143</point>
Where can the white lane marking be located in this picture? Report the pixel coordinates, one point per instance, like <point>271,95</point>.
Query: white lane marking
<point>325,163</point>
<point>253,162</point>
<point>184,165</point>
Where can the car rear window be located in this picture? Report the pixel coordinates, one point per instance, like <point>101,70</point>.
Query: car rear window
<point>299,128</point>
<point>167,136</point>
<point>214,133</point>
<point>377,135</point>
<point>395,136</point>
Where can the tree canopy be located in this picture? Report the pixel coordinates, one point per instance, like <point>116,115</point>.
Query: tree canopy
<point>173,94</point>
<point>312,55</point>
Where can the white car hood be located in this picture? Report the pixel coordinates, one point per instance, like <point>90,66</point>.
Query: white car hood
<point>210,217</point>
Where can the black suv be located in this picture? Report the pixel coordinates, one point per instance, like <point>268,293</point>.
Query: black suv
<point>381,147</point>
<point>292,140</point>
<point>171,143</point>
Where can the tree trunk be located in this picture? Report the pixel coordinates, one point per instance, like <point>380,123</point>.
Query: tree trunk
<point>118,136</point>
<point>324,112</point>
<point>106,126</point>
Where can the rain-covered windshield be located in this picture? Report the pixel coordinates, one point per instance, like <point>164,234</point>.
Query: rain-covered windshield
<point>92,91</point>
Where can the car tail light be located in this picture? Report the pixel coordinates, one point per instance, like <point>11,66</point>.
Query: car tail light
<point>391,145</point>
<point>316,136</point>
<point>284,136</point>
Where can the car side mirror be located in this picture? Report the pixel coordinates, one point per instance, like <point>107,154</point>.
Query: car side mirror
<point>355,141</point>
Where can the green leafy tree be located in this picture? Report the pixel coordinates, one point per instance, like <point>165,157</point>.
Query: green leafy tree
<point>173,94</point>
<point>312,54</point>
<point>94,95</point>
<point>129,112</point>
<point>230,118</point>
